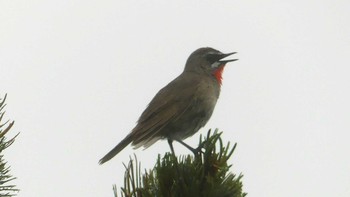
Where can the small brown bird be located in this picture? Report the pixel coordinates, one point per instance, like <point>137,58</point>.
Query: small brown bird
<point>183,106</point>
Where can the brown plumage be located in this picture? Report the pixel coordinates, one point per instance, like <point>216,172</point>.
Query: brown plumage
<point>183,106</point>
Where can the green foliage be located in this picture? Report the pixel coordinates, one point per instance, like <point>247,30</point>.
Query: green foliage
<point>6,189</point>
<point>206,174</point>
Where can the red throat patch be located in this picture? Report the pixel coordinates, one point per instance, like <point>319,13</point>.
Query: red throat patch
<point>218,73</point>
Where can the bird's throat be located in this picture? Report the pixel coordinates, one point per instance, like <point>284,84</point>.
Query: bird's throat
<point>218,74</point>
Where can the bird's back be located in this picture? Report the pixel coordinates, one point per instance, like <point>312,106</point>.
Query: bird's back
<point>178,110</point>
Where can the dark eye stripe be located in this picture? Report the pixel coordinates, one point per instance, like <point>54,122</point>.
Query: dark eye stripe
<point>213,57</point>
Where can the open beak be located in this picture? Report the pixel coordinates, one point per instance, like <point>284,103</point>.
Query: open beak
<point>226,55</point>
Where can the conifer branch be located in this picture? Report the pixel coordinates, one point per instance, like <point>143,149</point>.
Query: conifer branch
<point>206,174</point>
<point>6,189</point>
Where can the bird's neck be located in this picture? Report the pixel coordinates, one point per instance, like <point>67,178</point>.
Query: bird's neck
<point>218,74</point>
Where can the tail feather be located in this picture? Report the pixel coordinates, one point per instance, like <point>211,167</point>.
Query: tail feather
<point>126,141</point>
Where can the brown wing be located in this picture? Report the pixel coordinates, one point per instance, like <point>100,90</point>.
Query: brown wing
<point>168,105</point>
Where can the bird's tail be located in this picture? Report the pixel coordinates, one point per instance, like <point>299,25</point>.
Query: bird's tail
<point>127,140</point>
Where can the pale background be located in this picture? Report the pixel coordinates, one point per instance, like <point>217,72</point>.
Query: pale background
<point>78,74</point>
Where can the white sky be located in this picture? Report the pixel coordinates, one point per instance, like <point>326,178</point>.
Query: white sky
<point>78,74</point>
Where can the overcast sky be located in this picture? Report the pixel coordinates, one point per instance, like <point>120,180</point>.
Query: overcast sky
<point>78,74</point>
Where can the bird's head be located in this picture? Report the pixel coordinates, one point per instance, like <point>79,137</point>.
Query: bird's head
<point>208,61</point>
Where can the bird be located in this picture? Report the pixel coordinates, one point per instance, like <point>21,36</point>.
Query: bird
<point>183,106</point>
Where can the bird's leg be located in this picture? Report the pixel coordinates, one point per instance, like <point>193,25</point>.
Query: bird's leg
<point>181,179</point>
<point>170,141</point>
<point>195,151</point>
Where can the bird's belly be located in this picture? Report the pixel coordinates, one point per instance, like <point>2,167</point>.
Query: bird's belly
<point>188,124</point>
